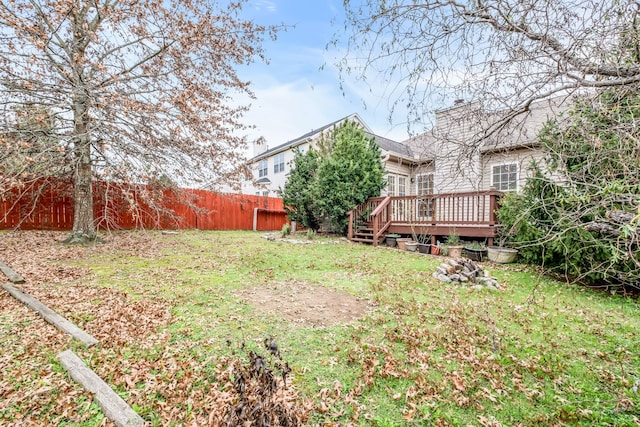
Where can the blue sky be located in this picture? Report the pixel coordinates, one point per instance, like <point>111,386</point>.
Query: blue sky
<point>294,95</point>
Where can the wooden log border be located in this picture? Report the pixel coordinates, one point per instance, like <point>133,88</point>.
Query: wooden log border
<point>11,275</point>
<point>51,316</point>
<point>113,406</point>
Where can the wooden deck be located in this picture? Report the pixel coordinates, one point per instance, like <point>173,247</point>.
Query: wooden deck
<point>470,215</point>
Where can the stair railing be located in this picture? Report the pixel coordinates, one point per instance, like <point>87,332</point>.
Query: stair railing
<point>375,212</point>
<point>381,219</point>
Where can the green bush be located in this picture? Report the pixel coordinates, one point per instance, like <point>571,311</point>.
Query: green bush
<point>325,185</point>
<point>575,228</point>
<point>299,195</point>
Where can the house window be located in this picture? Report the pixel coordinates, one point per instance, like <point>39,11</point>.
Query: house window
<point>505,177</point>
<point>263,168</point>
<point>265,193</point>
<point>402,186</point>
<point>424,184</point>
<point>278,163</point>
<point>391,185</point>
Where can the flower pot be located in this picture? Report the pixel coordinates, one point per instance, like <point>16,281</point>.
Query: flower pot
<point>390,241</point>
<point>501,255</point>
<point>455,251</point>
<point>475,254</point>
<point>435,250</point>
<point>411,246</point>
<point>424,248</point>
<point>401,241</point>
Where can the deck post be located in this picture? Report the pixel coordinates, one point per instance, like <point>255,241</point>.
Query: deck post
<point>493,206</point>
<point>376,228</point>
<point>434,212</point>
<point>350,227</point>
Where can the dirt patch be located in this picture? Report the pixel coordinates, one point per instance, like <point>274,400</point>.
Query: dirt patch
<point>307,304</point>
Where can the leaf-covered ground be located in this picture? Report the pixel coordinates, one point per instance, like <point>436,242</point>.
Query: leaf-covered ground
<point>369,336</point>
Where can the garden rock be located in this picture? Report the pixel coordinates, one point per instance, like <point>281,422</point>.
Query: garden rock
<point>466,273</point>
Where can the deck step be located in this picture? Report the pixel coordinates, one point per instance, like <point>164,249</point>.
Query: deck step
<point>364,236</point>
<point>365,230</point>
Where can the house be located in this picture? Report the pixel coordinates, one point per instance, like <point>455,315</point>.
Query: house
<point>449,177</point>
<point>270,167</point>
<point>454,156</point>
<point>452,176</point>
<point>467,158</point>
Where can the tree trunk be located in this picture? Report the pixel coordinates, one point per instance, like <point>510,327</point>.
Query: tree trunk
<point>84,229</point>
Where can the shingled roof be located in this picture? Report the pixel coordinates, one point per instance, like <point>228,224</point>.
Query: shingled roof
<point>389,145</point>
<point>304,138</point>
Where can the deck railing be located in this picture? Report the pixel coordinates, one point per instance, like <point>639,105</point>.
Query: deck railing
<point>472,208</point>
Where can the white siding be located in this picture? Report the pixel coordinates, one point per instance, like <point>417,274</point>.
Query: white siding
<point>397,169</point>
<point>523,157</point>
<point>457,160</point>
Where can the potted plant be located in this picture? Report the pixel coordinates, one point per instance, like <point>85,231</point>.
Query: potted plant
<point>454,246</point>
<point>390,239</point>
<point>475,251</point>
<point>424,248</point>
<point>411,246</point>
<point>436,250</point>
<point>422,238</point>
<point>424,243</point>
<point>401,241</point>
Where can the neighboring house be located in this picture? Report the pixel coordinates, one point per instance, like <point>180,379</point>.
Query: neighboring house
<point>270,167</point>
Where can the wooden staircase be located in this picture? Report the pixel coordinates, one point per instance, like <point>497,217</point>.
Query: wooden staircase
<point>367,235</point>
<point>369,222</point>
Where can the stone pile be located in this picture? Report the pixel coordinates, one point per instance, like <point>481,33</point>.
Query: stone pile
<point>464,272</point>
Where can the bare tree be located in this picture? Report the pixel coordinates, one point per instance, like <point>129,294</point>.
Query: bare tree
<point>505,54</point>
<point>131,91</point>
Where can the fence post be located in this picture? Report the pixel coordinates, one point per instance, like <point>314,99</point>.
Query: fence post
<point>255,219</point>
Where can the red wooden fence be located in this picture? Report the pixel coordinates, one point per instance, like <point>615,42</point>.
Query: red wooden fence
<point>49,206</point>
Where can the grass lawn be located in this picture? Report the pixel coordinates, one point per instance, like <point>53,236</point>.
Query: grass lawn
<point>370,336</point>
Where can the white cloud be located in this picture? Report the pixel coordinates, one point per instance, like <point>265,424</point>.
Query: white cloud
<point>285,111</point>
<point>267,5</point>
<point>295,97</point>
